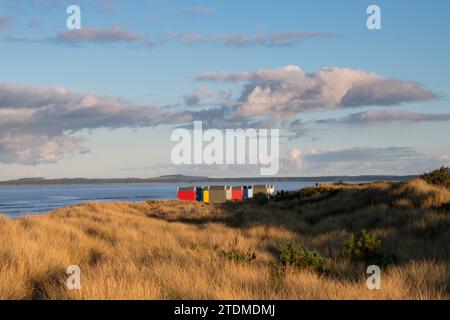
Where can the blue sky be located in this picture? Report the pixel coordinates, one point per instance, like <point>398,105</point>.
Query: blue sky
<point>141,60</point>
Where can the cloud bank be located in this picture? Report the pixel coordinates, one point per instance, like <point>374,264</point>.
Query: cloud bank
<point>262,39</point>
<point>109,36</point>
<point>100,36</point>
<point>373,117</point>
<point>287,91</point>
<point>41,125</point>
<point>359,160</point>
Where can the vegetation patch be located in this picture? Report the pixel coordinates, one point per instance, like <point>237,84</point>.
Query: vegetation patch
<point>167,249</point>
<point>294,255</point>
<point>260,199</point>
<point>366,248</point>
<point>439,177</point>
<point>238,256</point>
<point>234,254</point>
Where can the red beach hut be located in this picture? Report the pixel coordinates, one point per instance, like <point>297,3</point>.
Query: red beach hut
<point>187,194</point>
<point>237,193</point>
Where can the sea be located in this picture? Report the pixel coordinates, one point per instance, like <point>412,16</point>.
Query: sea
<point>16,201</point>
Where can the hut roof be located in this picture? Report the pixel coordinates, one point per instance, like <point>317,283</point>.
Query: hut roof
<point>187,188</point>
<point>216,187</point>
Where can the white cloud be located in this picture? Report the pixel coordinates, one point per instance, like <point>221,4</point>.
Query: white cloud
<point>294,160</point>
<point>295,154</point>
<point>39,125</point>
<point>32,149</point>
<point>282,93</point>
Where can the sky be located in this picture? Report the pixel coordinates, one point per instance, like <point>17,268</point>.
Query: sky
<point>104,100</point>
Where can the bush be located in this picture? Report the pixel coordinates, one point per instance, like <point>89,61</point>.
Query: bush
<point>260,199</point>
<point>234,254</point>
<point>293,255</point>
<point>238,256</point>
<point>440,177</point>
<point>364,248</point>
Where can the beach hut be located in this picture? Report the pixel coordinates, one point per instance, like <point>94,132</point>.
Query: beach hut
<point>248,192</point>
<point>237,193</point>
<point>206,194</point>
<point>229,193</point>
<point>199,194</point>
<point>187,193</point>
<point>217,194</point>
<point>265,189</point>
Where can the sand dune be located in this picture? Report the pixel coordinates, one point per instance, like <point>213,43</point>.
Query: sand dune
<point>174,250</point>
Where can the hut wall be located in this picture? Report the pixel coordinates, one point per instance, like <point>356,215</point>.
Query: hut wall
<point>229,193</point>
<point>217,194</point>
<point>260,189</point>
<point>187,195</point>
<point>237,194</point>
<point>199,194</point>
<point>248,192</point>
<point>205,195</point>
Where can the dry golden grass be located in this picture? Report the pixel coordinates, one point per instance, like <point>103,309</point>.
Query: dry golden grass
<point>171,250</point>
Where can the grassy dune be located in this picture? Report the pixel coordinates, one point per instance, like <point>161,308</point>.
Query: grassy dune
<point>173,250</point>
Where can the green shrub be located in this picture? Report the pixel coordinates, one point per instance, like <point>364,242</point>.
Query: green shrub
<point>440,177</point>
<point>260,199</point>
<point>364,248</point>
<point>293,255</point>
<point>238,256</point>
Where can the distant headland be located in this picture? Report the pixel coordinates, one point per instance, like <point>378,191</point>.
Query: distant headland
<point>179,178</point>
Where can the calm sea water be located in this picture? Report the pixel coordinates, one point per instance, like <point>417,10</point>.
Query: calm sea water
<point>23,200</point>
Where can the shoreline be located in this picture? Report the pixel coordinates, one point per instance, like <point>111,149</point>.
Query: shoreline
<point>53,197</point>
<point>18,200</point>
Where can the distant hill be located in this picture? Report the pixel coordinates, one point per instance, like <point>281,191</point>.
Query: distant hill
<point>178,178</point>
<point>181,177</point>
